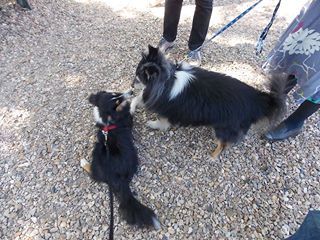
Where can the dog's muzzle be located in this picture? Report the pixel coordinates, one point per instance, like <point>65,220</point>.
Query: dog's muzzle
<point>137,84</point>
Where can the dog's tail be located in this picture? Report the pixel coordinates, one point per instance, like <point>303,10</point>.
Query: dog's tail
<point>136,213</point>
<point>275,100</point>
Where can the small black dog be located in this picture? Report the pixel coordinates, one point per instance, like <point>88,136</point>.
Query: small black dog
<point>189,96</point>
<point>115,159</point>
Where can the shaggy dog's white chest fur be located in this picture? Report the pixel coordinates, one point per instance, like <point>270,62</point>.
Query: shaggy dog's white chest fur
<point>183,79</point>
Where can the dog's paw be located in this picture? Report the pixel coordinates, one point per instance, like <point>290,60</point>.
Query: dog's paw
<point>214,156</point>
<point>83,162</point>
<point>85,165</point>
<point>159,124</point>
<point>152,124</point>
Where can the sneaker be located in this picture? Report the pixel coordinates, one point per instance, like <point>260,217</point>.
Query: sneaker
<point>194,58</point>
<point>283,132</point>
<point>164,45</point>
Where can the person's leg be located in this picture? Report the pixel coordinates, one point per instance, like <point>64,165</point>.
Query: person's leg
<point>305,110</point>
<point>200,24</point>
<point>293,124</point>
<point>172,12</point>
<point>171,19</point>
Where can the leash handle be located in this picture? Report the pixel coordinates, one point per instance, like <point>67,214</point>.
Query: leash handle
<point>111,225</point>
<point>221,30</point>
<point>264,33</point>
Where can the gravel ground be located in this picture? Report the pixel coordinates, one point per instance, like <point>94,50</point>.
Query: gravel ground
<point>54,56</point>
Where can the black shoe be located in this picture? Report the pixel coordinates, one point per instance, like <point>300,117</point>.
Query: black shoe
<point>24,4</point>
<point>282,132</point>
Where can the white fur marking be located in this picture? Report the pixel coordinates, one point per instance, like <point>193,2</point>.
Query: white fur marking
<point>186,66</point>
<point>136,102</point>
<point>161,124</point>
<point>96,116</point>
<point>83,162</point>
<point>183,78</point>
<point>138,84</point>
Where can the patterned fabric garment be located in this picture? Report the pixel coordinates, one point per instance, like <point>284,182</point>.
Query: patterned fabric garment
<point>298,53</point>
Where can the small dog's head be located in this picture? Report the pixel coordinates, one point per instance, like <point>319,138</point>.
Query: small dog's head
<point>110,107</point>
<point>152,66</point>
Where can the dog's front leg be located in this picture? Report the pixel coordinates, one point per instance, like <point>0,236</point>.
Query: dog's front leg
<point>136,102</point>
<point>162,124</point>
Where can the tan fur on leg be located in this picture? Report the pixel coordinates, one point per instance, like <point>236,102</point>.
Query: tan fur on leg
<point>216,141</point>
<point>85,165</point>
<point>121,106</point>
<point>220,147</point>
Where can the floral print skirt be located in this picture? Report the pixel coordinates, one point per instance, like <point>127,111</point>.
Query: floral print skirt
<point>298,53</point>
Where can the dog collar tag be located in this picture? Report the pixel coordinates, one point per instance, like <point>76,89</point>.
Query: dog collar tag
<point>105,130</point>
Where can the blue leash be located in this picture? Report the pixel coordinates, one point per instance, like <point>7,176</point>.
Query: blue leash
<point>263,35</point>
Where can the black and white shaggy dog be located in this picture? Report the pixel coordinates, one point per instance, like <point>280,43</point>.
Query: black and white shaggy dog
<point>190,96</point>
<point>115,159</point>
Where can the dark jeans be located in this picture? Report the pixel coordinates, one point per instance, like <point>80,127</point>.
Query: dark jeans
<point>200,24</point>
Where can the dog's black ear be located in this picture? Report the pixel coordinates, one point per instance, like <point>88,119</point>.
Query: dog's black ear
<point>93,98</point>
<point>153,51</point>
<point>151,70</point>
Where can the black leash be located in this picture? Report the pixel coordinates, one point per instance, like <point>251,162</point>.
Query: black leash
<point>225,27</point>
<point>260,42</point>
<point>105,130</point>
<point>264,33</point>
<point>111,225</point>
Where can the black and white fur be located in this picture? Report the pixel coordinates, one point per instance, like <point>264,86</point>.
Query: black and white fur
<point>115,160</point>
<point>190,96</point>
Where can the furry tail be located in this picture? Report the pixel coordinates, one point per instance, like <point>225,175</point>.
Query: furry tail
<point>275,101</point>
<point>136,213</point>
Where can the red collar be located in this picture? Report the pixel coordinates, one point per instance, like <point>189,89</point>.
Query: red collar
<point>109,127</point>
